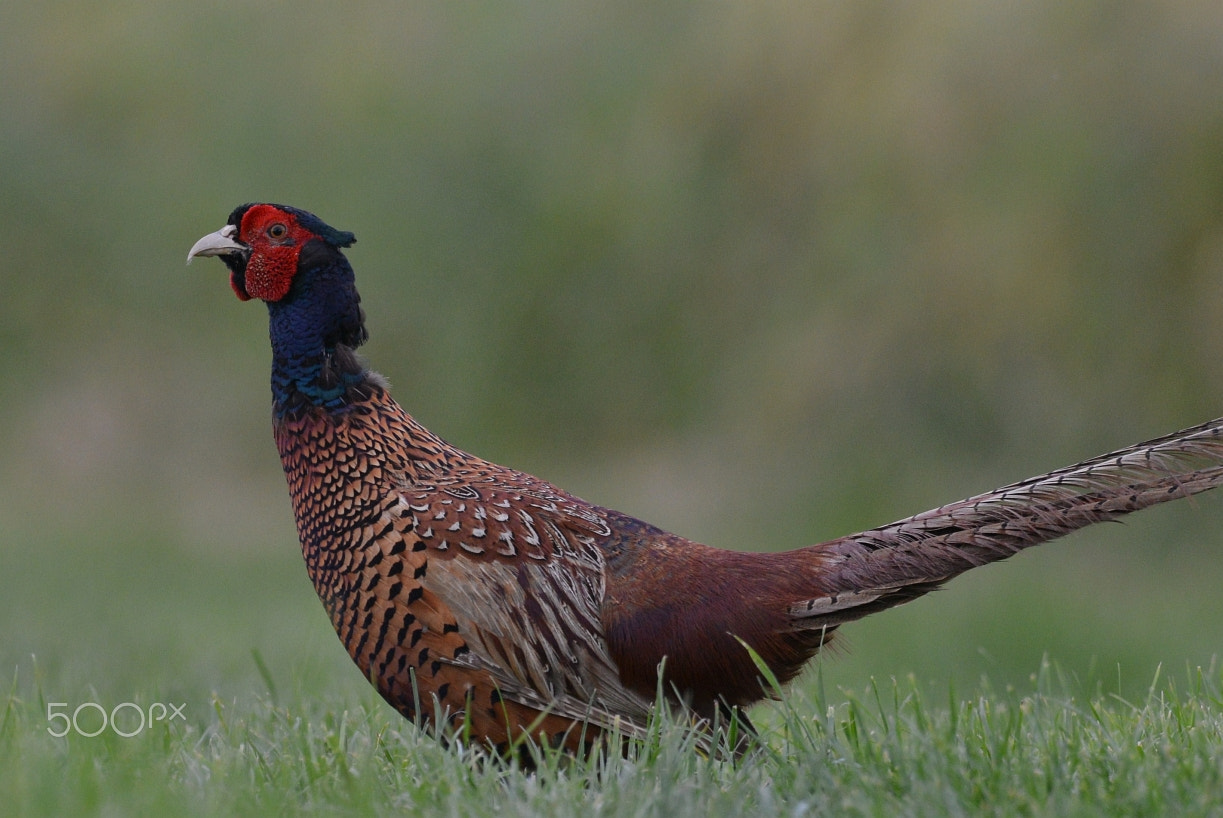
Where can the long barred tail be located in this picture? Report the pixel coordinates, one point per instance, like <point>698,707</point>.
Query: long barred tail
<point>892,564</point>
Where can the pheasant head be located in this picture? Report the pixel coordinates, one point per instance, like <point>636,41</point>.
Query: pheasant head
<point>262,245</point>
<point>293,261</point>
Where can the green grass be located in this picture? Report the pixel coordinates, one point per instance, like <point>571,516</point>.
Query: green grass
<point>278,722</point>
<point>1049,750</point>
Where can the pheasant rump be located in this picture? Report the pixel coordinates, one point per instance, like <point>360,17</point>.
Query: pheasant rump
<point>500,605</point>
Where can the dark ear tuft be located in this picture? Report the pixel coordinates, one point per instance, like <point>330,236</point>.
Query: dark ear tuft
<point>336,238</point>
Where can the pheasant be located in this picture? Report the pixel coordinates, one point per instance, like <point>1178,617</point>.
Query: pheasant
<point>484,600</point>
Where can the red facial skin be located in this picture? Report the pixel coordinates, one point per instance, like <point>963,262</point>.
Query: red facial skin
<point>275,239</point>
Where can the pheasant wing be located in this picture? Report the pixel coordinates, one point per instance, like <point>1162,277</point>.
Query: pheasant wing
<point>519,568</point>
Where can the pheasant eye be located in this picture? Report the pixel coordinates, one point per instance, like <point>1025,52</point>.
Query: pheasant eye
<point>278,231</point>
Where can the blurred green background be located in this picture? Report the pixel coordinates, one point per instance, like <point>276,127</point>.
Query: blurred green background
<point>760,273</point>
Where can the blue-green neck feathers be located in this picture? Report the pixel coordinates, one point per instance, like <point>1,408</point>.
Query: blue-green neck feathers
<point>314,331</point>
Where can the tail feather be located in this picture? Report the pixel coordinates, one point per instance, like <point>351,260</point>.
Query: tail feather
<point>895,563</point>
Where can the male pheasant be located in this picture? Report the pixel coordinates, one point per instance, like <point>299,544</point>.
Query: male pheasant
<point>496,603</point>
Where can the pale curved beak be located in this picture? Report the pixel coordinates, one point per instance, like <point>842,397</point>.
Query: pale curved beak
<point>220,243</point>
